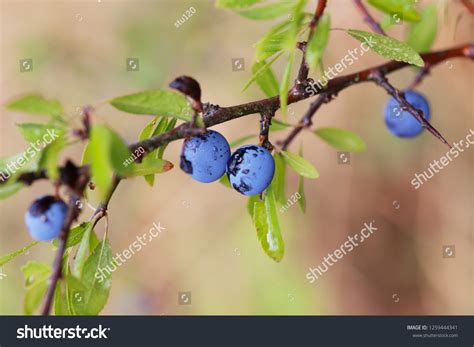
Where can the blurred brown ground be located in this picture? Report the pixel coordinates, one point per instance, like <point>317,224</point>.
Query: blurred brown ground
<point>209,246</point>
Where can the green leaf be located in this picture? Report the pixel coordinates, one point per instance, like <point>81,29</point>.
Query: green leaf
<point>60,305</point>
<point>272,41</point>
<point>262,70</point>
<point>342,139</point>
<point>235,4</point>
<point>300,165</point>
<point>268,11</point>
<point>36,277</point>
<point>50,158</point>
<point>149,167</point>
<point>278,182</point>
<point>155,127</point>
<point>302,199</point>
<point>36,104</point>
<point>33,132</point>
<point>105,152</point>
<point>278,125</point>
<point>250,203</point>
<point>82,252</point>
<point>317,45</point>
<point>240,141</point>
<point>285,84</point>
<point>298,14</point>
<point>89,294</point>
<point>155,102</point>
<point>10,188</point>
<point>265,78</point>
<point>404,9</point>
<point>7,258</point>
<point>266,223</point>
<point>75,235</point>
<point>388,47</point>
<point>422,34</point>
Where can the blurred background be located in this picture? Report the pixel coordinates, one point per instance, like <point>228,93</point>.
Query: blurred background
<point>209,246</point>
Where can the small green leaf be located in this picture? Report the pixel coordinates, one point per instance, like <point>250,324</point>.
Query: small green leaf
<point>33,132</point>
<point>262,70</point>
<point>105,152</point>
<point>404,9</point>
<point>265,78</point>
<point>285,84</point>
<point>388,47</point>
<point>235,4</point>
<point>250,203</point>
<point>422,34</point>
<point>89,294</point>
<point>272,41</point>
<point>297,17</point>
<point>7,258</point>
<point>342,139</point>
<point>302,199</point>
<point>157,126</point>
<point>60,305</point>
<point>50,158</point>
<point>36,104</point>
<point>279,125</point>
<point>9,189</point>
<point>278,182</point>
<point>241,141</point>
<point>268,11</point>
<point>75,235</point>
<point>317,45</point>
<point>36,277</point>
<point>82,252</point>
<point>266,223</point>
<point>300,165</point>
<point>153,102</point>
<point>149,167</point>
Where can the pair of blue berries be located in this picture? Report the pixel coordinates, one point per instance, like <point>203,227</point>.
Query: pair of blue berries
<point>207,158</point>
<point>402,123</point>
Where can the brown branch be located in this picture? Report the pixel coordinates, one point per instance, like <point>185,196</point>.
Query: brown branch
<point>368,18</point>
<point>469,5</point>
<point>265,122</point>
<point>306,121</point>
<point>304,70</point>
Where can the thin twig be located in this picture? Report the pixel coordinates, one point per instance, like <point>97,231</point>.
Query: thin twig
<point>368,18</point>
<point>383,82</point>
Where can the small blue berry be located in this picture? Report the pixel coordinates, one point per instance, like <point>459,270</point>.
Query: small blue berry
<point>402,123</point>
<point>45,218</point>
<point>250,169</point>
<point>205,157</point>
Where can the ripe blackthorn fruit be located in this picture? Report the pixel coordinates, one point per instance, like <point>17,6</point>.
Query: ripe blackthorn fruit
<point>250,169</point>
<point>402,123</point>
<point>45,218</point>
<point>205,157</point>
